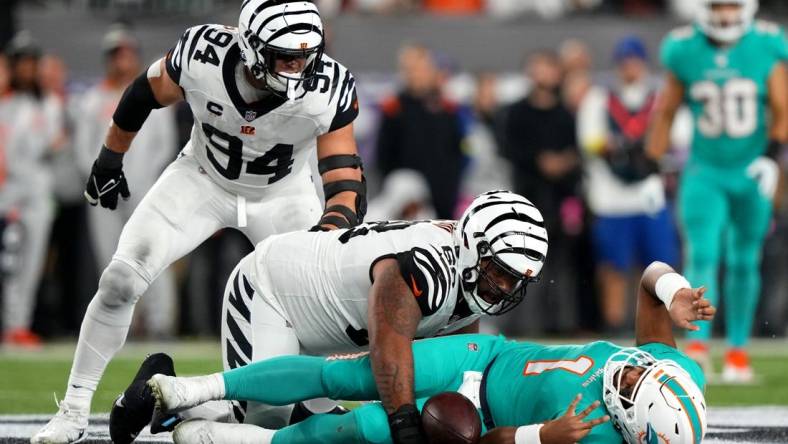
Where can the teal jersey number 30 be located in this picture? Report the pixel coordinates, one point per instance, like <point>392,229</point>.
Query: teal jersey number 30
<point>726,89</point>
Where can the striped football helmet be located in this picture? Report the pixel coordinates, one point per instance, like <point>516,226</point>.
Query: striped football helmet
<point>717,28</point>
<point>284,30</point>
<point>501,238</point>
<point>664,405</point>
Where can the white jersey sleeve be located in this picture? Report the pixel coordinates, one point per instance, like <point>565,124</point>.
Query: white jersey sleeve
<point>322,280</point>
<point>246,147</point>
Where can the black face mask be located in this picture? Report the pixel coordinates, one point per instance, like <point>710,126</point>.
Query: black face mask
<point>503,300</point>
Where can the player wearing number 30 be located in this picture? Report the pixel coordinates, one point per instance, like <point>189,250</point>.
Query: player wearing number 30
<point>731,72</point>
<point>264,97</point>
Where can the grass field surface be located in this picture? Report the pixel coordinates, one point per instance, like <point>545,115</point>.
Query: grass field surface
<point>30,380</point>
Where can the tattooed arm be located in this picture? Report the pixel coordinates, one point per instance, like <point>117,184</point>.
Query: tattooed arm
<point>394,316</point>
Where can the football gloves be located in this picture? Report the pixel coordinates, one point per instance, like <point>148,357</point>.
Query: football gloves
<point>766,172</point>
<point>405,425</point>
<point>104,185</point>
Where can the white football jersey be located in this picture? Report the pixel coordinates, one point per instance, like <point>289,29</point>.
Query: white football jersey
<point>322,280</point>
<point>245,147</point>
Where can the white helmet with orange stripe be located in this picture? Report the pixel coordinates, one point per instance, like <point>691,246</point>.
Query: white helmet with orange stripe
<point>653,401</point>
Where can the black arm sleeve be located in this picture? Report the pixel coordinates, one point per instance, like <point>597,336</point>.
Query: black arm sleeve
<point>135,105</point>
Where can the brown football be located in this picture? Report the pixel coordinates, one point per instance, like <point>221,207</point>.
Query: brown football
<point>451,418</point>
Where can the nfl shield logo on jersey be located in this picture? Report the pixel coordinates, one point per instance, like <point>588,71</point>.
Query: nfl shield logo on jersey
<point>250,115</point>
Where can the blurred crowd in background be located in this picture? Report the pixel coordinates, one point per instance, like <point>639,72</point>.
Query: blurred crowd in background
<point>432,136</point>
<point>550,9</point>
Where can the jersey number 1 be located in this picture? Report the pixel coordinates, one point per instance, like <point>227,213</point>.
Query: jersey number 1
<point>277,162</point>
<point>578,366</point>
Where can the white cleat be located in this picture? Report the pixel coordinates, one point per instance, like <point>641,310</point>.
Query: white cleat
<point>171,395</point>
<point>175,394</point>
<point>68,426</point>
<point>201,431</point>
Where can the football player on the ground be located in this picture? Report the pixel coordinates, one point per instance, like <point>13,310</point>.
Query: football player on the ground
<point>652,392</point>
<point>731,72</point>
<point>379,285</point>
<point>263,96</point>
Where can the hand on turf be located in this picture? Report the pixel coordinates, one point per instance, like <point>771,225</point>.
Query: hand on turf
<point>689,306</point>
<point>571,428</point>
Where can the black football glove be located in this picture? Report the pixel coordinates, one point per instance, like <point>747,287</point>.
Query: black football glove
<point>405,425</point>
<point>104,185</point>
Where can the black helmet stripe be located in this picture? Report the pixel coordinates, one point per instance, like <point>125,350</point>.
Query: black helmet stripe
<point>511,233</point>
<point>513,216</point>
<point>292,28</point>
<point>490,204</point>
<point>283,14</point>
<point>524,251</point>
<point>265,5</point>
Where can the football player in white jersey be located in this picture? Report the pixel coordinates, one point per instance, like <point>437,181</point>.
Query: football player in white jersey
<point>264,97</point>
<point>378,285</point>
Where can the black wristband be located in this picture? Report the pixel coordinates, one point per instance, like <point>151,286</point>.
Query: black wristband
<point>405,424</point>
<point>774,149</point>
<point>108,159</point>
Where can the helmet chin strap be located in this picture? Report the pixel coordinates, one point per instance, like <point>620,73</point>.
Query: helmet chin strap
<point>291,90</point>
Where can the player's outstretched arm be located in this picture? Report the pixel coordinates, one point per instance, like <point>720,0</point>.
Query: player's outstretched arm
<point>394,316</point>
<point>152,89</point>
<point>665,298</point>
<point>670,99</point>
<point>343,180</point>
<point>568,429</point>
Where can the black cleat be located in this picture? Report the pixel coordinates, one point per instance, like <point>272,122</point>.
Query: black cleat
<point>301,412</point>
<point>133,409</point>
<point>164,422</point>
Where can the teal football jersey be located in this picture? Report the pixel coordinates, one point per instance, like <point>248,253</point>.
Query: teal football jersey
<point>726,90</point>
<point>530,383</point>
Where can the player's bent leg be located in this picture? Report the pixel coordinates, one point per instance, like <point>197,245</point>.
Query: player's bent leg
<point>255,328</point>
<point>703,210</point>
<point>439,364</point>
<point>750,215</point>
<point>179,212</point>
<point>201,431</point>
<point>104,327</point>
<point>365,424</point>
<point>272,336</point>
<point>103,332</point>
